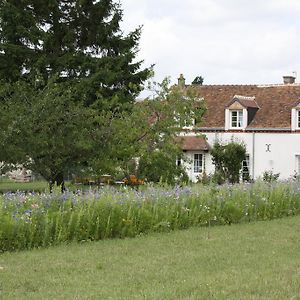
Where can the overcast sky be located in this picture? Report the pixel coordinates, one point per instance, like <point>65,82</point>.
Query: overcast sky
<point>224,41</point>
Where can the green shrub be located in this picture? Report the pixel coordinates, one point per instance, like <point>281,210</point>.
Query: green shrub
<point>228,160</point>
<point>270,176</point>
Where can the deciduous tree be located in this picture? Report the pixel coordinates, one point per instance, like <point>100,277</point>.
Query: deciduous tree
<point>148,132</point>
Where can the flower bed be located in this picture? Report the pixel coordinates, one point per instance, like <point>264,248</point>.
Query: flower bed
<point>31,220</point>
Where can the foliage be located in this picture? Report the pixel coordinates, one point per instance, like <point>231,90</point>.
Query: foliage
<point>159,166</point>
<point>60,136</point>
<point>198,80</point>
<point>28,221</point>
<point>228,161</point>
<point>80,41</point>
<point>270,176</point>
<point>66,71</point>
<point>148,132</point>
<point>53,135</point>
<point>69,78</point>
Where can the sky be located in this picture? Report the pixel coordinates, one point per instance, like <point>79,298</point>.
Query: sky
<point>224,41</point>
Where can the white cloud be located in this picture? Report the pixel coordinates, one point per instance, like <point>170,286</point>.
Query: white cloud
<point>225,41</point>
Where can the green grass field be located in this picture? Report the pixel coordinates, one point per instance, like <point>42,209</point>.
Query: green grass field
<point>7,185</point>
<point>39,186</point>
<point>248,261</point>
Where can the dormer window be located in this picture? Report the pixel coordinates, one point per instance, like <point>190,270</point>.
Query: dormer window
<point>236,118</point>
<point>239,112</point>
<point>295,116</point>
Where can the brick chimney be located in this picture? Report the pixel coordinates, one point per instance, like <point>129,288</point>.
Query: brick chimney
<point>181,81</point>
<point>289,79</point>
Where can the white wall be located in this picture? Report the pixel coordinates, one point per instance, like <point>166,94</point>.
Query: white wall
<point>280,159</point>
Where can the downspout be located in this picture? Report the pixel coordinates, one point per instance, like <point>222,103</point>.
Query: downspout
<point>253,153</point>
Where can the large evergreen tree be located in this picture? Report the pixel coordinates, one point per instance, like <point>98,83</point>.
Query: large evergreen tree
<point>77,40</point>
<point>64,54</point>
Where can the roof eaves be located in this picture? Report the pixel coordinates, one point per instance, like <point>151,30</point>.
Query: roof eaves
<point>209,128</point>
<point>268,129</point>
<point>296,103</point>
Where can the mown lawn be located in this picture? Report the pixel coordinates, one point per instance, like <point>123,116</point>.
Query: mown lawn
<point>7,185</point>
<point>39,186</point>
<point>247,261</point>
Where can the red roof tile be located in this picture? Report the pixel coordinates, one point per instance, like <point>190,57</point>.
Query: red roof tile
<point>193,143</point>
<point>244,101</point>
<point>274,101</point>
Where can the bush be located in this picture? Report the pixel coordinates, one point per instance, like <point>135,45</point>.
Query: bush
<point>228,161</point>
<point>270,176</point>
<point>159,166</point>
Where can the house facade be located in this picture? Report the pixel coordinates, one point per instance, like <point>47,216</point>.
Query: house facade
<point>266,118</point>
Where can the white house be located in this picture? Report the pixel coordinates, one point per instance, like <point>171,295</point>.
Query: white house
<point>266,118</point>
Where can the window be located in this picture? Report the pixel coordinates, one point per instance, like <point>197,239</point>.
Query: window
<point>198,163</point>
<point>298,165</point>
<point>295,118</point>
<point>236,118</point>
<point>178,161</point>
<point>245,169</point>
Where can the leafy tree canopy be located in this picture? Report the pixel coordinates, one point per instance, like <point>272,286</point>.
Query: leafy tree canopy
<point>148,133</point>
<point>198,80</point>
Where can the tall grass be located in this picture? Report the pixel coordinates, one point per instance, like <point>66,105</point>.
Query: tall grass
<point>29,220</point>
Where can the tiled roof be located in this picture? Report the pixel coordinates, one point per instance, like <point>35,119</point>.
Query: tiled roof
<point>244,101</point>
<point>249,103</point>
<point>192,143</point>
<point>274,101</point>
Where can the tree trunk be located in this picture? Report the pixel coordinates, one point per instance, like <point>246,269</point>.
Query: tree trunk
<point>60,181</point>
<point>51,186</point>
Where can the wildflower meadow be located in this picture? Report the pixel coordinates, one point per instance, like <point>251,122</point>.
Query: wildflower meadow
<point>41,220</point>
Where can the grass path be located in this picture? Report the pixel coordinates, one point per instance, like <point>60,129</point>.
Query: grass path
<point>250,261</point>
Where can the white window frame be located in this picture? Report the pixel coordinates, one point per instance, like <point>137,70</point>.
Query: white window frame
<point>239,118</point>
<point>198,162</point>
<point>297,169</point>
<point>295,119</point>
<point>178,161</point>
